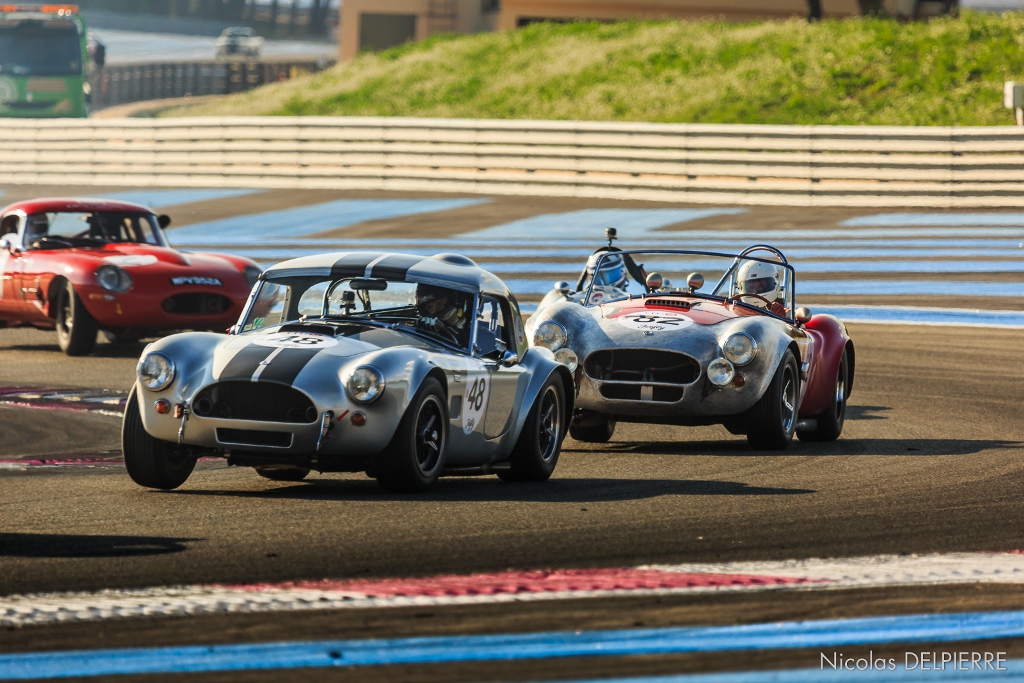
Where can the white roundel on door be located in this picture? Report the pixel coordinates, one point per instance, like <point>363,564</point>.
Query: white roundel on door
<point>474,403</point>
<point>658,321</point>
<point>296,340</point>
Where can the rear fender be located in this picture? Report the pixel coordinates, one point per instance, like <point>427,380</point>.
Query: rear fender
<point>830,339</point>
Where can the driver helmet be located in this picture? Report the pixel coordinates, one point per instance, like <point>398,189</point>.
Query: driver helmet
<point>440,304</point>
<point>612,272</point>
<point>760,278</point>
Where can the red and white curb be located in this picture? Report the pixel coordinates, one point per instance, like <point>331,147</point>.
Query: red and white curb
<point>95,401</point>
<point>516,586</point>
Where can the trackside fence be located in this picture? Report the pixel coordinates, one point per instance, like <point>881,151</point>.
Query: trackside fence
<point>735,164</point>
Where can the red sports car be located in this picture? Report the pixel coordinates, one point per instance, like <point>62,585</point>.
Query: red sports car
<point>84,265</point>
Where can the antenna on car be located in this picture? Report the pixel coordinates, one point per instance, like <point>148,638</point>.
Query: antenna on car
<point>611,234</point>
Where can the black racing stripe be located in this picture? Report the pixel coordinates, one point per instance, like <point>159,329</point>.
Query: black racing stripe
<point>287,365</point>
<point>354,265</point>
<point>395,267</point>
<point>245,362</point>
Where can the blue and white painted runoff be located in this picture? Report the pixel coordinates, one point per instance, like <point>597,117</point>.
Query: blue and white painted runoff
<point>850,288</point>
<point>631,223</point>
<point>309,220</point>
<point>920,628</point>
<point>961,219</point>
<point>157,199</point>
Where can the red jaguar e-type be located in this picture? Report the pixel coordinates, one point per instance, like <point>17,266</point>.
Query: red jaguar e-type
<point>84,265</point>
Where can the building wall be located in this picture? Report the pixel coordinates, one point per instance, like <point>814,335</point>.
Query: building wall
<point>467,16</point>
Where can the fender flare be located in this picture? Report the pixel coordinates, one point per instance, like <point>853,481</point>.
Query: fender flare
<point>542,366</point>
<point>821,381</point>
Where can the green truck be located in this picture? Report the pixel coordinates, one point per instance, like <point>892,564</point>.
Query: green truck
<point>43,62</point>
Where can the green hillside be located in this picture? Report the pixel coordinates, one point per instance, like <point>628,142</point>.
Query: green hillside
<point>855,71</point>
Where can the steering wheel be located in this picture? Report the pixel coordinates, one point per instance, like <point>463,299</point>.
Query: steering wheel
<point>756,296</point>
<point>52,238</point>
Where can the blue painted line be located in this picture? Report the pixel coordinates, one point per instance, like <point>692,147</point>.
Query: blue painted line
<point>923,628</point>
<point>631,223</point>
<point>156,199</point>
<point>523,287</point>
<point>308,220</point>
<point>923,316</point>
<point>566,268</point>
<point>283,253</point>
<point>703,239</point>
<point>937,219</point>
<point>1013,669</point>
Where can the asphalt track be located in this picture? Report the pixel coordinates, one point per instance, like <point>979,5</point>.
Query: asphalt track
<point>929,463</point>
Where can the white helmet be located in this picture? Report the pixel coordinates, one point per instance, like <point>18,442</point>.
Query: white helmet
<point>760,278</point>
<point>612,272</point>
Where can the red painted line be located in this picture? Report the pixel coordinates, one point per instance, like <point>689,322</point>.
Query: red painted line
<point>545,581</point>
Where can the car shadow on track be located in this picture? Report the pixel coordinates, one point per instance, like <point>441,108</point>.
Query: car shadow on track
<point>490,489</point>
<point>844,446</point>
<point>77,545</point>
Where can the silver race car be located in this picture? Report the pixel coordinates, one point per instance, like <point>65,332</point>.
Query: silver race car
<point>648,342</point>
<point>403,367</point>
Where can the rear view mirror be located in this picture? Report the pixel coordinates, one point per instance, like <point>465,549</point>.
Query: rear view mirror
<point>803,315</point>
<point>163,220</point>
<point>370,284</point>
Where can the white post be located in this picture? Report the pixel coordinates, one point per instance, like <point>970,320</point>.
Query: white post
<point>1013,98</point>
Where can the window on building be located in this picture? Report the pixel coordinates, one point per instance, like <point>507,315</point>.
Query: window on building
<point>381,31</point>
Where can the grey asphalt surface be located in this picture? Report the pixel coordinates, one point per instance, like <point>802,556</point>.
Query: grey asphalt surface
<point>930,462</point>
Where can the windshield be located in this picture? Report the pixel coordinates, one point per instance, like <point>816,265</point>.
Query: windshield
<point>758,278</point>
<point>437,312</point>
<point>40,48</point>
<point>84,229</point>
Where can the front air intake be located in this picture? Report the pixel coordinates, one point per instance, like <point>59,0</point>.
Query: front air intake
<point>256,402</point>
<point>645,366</point>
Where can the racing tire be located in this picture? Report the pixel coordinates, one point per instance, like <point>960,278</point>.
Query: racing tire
<point>283,473</point>
<point>771,422</point>
<point>151,462</point>
<point>535,454</point>
<point>414,459</point>
<point>599,433</point>
<point>76,328</point>
<point>830,422</point>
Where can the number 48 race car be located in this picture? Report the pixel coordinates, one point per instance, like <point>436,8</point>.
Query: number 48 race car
<point>404,367</point>
<point>740,354</point>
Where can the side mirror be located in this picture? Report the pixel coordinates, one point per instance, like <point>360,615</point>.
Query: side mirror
<point>233,329</point>
<point>163,220</point>
<point>562,287</point>
<point>7,244</point>
<point>694,281</point>
<point>803,315</point>
<point>509,358</point>
<point>655,282</point>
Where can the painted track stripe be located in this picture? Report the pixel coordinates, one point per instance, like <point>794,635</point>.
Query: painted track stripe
<point>156,199</point>
<point>922,628</point>
<point>521,586</point>
<point>308,220</point>
<point>958,288</point>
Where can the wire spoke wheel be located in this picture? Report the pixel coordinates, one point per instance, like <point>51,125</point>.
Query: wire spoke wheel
<point>789,398</point>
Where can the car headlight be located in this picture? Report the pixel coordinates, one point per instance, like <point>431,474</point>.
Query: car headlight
<point>155,371</point>
<point>365,384</point>
<point>720,372</point>
<point>113,278</point>
<point>550,335</point>
<point>252,275</point>
<point>740,348</point>
<point>568,358</point>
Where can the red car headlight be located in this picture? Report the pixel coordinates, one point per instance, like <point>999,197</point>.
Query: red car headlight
<point>113,278</point>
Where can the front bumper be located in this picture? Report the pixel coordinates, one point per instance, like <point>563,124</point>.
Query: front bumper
<point>146,309</point>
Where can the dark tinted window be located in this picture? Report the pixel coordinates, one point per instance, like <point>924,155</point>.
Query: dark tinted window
<point>35,48</point>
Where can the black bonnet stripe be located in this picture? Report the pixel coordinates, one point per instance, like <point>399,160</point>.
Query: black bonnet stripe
<point>245,362</point>
<point>287,365</point>
<point>395,267</point>
<point>354,265</point>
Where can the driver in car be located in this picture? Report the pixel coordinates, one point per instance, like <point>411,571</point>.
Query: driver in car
<point>759,284</point>
<point>444,311</point>
<point>610,278</point>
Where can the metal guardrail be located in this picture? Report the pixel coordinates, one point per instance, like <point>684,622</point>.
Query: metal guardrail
<point>125,83</point>
<point>734,164</point>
